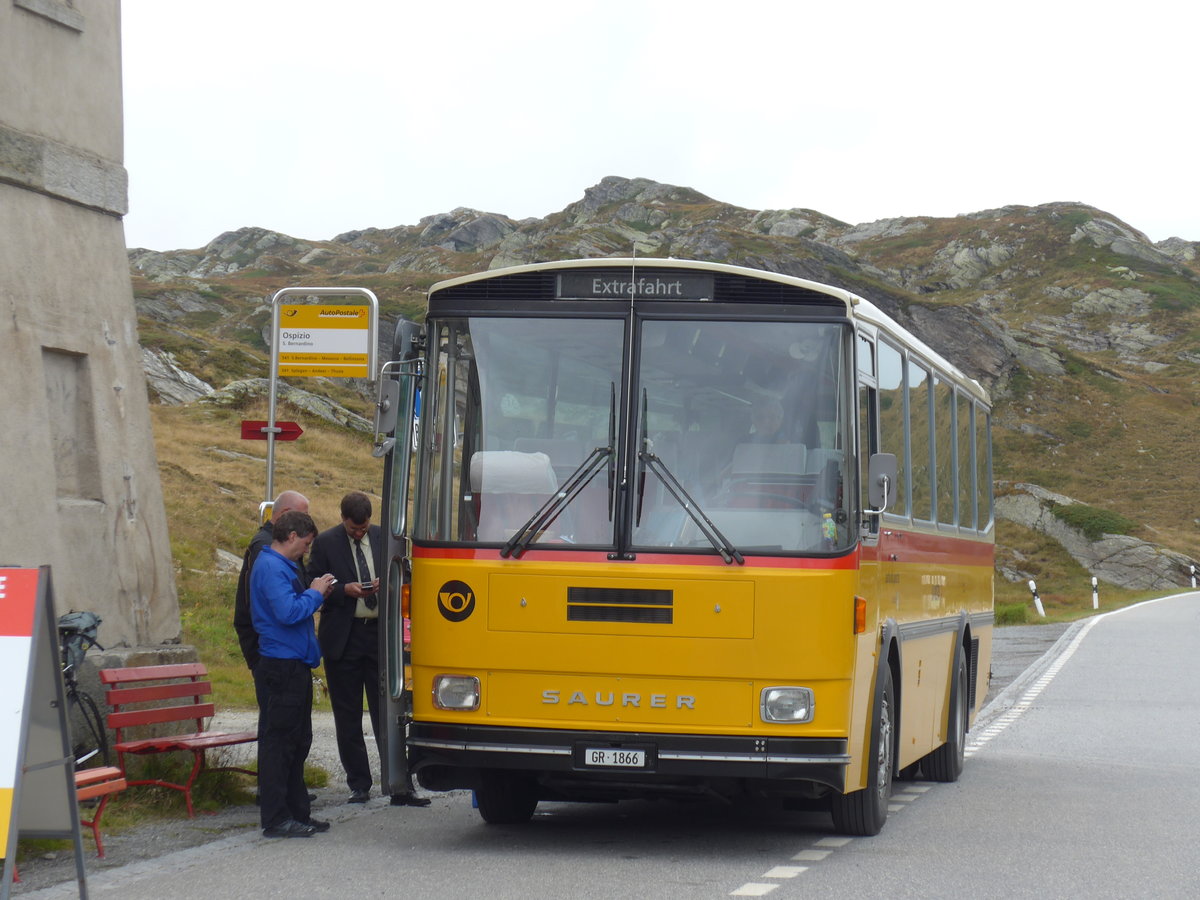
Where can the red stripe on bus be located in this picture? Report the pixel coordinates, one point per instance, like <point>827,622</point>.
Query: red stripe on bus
<point>919,547</point>
<point>848,561</point>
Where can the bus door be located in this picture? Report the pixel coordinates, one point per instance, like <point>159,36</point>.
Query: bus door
<point>395,430</point>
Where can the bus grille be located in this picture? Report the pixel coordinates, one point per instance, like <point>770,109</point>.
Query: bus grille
<point>643,606</point>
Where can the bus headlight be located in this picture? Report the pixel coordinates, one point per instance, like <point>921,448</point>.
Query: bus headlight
<point>457,692</point>
<point>790,705</point>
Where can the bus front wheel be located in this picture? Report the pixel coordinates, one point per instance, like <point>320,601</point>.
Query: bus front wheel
<point>506,798</point>
<point>864,812</point>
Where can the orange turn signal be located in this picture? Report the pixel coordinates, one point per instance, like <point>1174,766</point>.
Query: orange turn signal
<point>405,600</point>
<point>860,615</point>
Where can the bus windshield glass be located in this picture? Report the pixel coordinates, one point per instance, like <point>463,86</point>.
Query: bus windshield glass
<point>753,421</point>
<point>735,439</point>
<point>517,406</point>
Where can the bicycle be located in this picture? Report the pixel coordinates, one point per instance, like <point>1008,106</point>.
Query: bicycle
<point>89,737</point>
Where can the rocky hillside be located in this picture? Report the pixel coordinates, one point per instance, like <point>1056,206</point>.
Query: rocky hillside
<point>1085,331</point>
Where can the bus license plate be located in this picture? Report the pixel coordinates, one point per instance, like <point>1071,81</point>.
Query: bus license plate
<point>614,757</point>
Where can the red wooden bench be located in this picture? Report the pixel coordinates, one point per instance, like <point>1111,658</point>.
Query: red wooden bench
<point>178,693</point>
<point>103,783</point>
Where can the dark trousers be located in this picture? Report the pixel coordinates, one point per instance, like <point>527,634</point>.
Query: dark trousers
<point>356,671</point>
<point>284,688</point>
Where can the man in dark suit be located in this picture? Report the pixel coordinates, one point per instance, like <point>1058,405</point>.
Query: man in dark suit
<point>349,636</point>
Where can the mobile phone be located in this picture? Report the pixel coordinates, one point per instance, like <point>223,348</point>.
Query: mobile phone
<point>367,585</point>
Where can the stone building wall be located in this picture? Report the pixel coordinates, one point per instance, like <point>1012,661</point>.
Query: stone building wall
<point>77,463</point>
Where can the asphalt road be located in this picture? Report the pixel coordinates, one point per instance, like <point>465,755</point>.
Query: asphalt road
<point>569,849</point>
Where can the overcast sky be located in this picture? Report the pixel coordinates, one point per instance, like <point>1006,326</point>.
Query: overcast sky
<point>313,118</point>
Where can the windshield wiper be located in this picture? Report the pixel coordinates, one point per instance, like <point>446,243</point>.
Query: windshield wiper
<point>654,463</point>
<point>559,500</point>
<point>728,552</point>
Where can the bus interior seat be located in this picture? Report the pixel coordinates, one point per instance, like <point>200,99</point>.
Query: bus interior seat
<point>589,511</point>
<point>769,462</point>
<point>768,476</point>
<point>507,488</point>
<point>565,454</point>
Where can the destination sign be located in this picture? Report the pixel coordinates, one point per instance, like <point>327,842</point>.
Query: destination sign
<point>323,341</point>
<point>625,285</point>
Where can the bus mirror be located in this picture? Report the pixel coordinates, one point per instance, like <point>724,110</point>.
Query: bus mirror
<point>881,482</point>
<point>388,406</point>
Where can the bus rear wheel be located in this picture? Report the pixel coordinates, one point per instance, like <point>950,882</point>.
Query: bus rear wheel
<point>864,812</point>
<point>506,798</point>
<point>946,762</point>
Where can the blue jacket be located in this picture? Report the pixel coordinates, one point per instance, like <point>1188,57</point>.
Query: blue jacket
<point>282,610</point>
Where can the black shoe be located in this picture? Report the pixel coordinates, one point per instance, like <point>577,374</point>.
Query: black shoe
<point>320,826</point>
<point>290,828</point>
<point>359,796</point>
<point>409,800</point>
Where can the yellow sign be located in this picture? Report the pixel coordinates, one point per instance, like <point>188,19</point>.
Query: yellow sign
<point>329,341</point>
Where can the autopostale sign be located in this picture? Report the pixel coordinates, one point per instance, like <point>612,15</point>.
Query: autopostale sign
<point>323,341</point>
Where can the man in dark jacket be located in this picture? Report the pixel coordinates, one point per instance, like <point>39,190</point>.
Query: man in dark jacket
<point>349,637</point>
<point>247,636</point>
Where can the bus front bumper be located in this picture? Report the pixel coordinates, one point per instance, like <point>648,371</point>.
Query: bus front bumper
<point>448,757</point>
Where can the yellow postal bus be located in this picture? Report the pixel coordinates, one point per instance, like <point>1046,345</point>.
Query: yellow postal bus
<point>679,529</point>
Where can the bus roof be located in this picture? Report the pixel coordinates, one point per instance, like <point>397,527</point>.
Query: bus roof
<point>857,308</point>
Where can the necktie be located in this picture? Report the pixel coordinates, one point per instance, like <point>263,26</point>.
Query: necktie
<point>364,574</point>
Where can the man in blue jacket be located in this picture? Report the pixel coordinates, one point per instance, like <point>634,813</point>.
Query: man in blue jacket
<point>282,611</point>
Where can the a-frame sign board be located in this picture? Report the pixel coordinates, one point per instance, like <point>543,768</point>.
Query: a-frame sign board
<point>37,769</point>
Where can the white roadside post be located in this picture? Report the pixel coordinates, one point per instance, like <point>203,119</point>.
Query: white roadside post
<point>1095,594</point>
<point>1192,567</point>
<point>1037,601</point>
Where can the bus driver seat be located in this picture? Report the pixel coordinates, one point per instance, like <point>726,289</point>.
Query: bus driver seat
<point>507,488</point>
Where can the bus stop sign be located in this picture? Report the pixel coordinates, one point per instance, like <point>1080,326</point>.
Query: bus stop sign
<point>256,430</point>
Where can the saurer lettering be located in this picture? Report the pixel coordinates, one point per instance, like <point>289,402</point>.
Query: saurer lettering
<point>611,698</point>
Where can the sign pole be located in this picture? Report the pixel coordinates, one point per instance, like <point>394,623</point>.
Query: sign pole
<point>372,350</point>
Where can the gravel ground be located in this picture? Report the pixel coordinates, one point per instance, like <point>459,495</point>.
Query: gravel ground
<point>1014,650</point>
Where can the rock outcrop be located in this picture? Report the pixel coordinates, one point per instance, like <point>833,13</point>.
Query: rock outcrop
<point>1116,558</point>
<point>238,393</point>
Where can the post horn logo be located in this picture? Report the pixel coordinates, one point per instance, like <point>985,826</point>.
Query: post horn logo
<point>456,601</point>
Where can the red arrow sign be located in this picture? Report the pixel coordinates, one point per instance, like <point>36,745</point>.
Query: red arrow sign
<point>255,430</point>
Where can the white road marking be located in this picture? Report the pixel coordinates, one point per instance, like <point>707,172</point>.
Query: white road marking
<point>811,855</point>
<point>785,871</point>
<point>754,889</point>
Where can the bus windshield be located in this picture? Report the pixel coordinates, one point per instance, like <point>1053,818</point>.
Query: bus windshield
<point>734,439</point>
<point>518,406</point>
<point>751,420</point>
